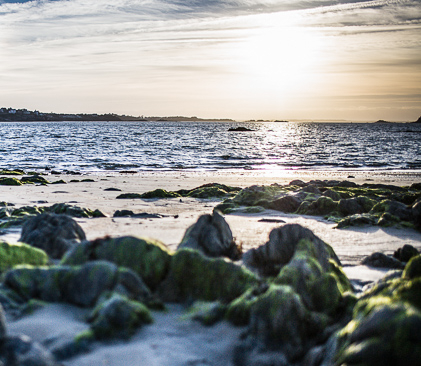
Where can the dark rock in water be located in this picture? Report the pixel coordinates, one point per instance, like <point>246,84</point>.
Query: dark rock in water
<point>150,259</point>
<point>380,260</point>
<point>21,351</point>
<point>118,317</point>
<point>55,234</point>
<point>278,251</point>
<point>405,253</point>
<point>212,236</point>
<point>287,204</point>
<point>240,129</point>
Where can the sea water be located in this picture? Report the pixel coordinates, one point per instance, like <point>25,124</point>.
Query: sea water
<point>140,146</point>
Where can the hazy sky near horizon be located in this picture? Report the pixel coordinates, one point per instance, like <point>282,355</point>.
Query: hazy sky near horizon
<point>241,59</point>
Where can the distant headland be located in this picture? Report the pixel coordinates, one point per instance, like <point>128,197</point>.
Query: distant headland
<point>23,115</point>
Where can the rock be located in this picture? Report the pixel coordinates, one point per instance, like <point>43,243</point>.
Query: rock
<point>413,268</point>
<point>268,259</point>
<point>73,211</point>
<point>21,351</point>
<point>194,276</point>
<point>321,207</point>
<point>159,193</point>
<point>35,179</point>
<point>297,182</point>
<point>10,182</point>
<point>252,196</point>
<point>380,260</point>
<point>394,208</point>
<point>405,253</point>
<point>357,205</point>
<point>55,234</point>
<point>14,254</point>
<point>240,129</point>
<point>148,258</point>
<point>332,194</point>
<point>347,184</point>
<point>311,189</point>
<point>207,313</point>
<point>357,220</point>
<point>129,196</point>
<point>212,236</point>
<point>287,204</point>
<point>118,317</point>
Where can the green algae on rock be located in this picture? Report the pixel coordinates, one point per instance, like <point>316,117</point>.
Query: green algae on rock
<point>192,275</point>
<point>10,182</point>
<point>19,253</point>
<point>118,317</point>
<point>150,259</point>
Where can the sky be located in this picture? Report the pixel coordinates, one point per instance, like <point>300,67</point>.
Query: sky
<point>240,59</point>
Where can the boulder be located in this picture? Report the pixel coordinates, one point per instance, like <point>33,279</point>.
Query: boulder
<point>20,253</point>
<point>322,206</point>
<point>212,236</point>
<point>55,234</point>
<point>413,268</point>
<point>332,194</point>
<point>21,351</point>
<point>405,253</point>
<point>118,317</point>
<point>269,258</point>
<point>380,260</point>
<point>357,220</point>
<point>148,258</point>
<point>394,208</point>
<point>195,276</point>
<point>287,204</point>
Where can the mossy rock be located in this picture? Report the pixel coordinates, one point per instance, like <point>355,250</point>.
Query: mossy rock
<point>159,193</point>
<point>73,211</point>
<point>118,317</point>
<point>11,172</point>
<point>322,206</point>
<point>207,313</point>
<point>226,207</point>
<point>207,192</point>
<point>26,210</point>
<point>150,259</point>
<point>251,195</point>
<point>357,220</point>
<point>61,181</point>
<point>34,179</point>
<point>16,254</point>
<point>10,182</point>
<point>413,268</point>
<point>192,275</point>
<point>129,196</point>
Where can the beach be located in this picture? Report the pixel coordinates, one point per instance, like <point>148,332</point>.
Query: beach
<point>174,338</point>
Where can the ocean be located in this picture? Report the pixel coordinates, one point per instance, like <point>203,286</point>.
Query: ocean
<point>99,147</point>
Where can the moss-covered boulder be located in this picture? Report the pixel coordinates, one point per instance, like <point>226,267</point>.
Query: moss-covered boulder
<point>357,220</point>
<point>212,236</point>
<point>394,208</point>
<point>55,234</point>
<point>287,204</point>
<point>34,179</point>
<point>72,210</point>
<point>148,258</point>
<point>269,258</point>
<point>385,325</point>
<point>251,196</point>
<point>10,181</point>
<point>118,317</point>
<point>19,253</point>
<point>11,172</point>
<point>194,276</point>
<point>159,193</point>
<point>381,260</point>
<point>320,207</point>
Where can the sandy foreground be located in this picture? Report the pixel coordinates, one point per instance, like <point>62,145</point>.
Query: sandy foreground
<point>174,339</point>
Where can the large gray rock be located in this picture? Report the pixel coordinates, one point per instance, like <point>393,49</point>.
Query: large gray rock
<point>212,236</point>
<point>380,260</point>
<point>55,234</point>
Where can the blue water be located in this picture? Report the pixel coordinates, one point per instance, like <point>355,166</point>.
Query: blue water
<point>139,146</point>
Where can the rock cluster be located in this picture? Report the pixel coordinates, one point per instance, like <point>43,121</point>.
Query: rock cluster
<point>290,294</point>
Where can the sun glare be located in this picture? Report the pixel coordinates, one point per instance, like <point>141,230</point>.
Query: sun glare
<point>280,55</point>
